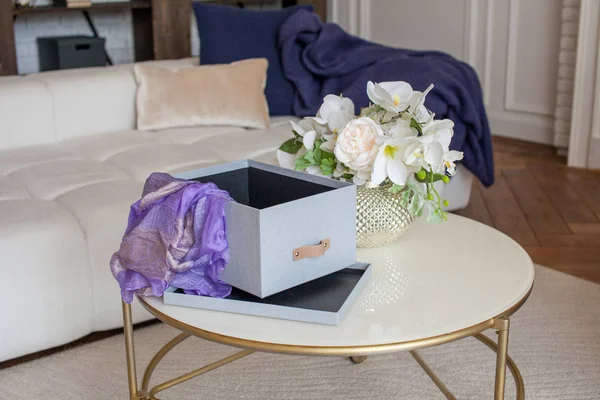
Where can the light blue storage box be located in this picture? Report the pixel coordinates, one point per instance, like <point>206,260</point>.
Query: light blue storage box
<point>285,228</point>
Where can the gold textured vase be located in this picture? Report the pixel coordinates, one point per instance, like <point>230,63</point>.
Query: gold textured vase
<point>380,219</point>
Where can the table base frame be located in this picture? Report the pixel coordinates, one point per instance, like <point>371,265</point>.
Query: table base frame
<point>500,325</point>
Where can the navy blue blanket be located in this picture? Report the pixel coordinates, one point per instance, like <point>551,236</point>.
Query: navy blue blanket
<point>320,59</point>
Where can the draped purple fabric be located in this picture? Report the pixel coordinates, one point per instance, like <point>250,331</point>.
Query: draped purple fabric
<point>176,236</point>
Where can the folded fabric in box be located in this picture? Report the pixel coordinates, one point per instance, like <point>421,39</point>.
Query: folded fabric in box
<point>175,237</point>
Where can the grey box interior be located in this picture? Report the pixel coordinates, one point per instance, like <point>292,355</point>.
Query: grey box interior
<point>260,189</point>
<point>323,294</point>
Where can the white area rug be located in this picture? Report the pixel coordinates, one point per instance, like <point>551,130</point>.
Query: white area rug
<point>555,340</point>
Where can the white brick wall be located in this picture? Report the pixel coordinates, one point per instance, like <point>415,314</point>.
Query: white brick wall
<point>114,26</point>
<point>566,72</point>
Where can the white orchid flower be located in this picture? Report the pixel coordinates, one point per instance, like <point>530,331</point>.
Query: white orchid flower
<point>303,126</point>
<point>335,112</point>
<point>361,177</point>
<point>381,116</point>
<point>320,128</point>
<point>401,129</point>
<point>339,170</point>
<point>333,103</point>
<point>417,106</point>
<point>306,129</point>
<point>309,140</point>
<point>287,160</point>
<point>426,152</point>
<point>329,142</point>
<point>389,162</point>
<point>442,130</point>
<point>448,161</point>
<point>392,96</point>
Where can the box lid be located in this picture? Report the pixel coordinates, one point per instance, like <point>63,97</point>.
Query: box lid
<point>324,300</point>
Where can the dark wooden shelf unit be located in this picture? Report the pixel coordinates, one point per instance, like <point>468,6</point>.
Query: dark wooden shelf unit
<point>161,28</point>
<point>116,6</point>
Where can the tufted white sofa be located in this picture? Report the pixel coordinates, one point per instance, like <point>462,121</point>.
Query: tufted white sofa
<point>71,164</point>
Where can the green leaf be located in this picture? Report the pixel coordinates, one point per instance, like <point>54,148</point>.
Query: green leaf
<point>327,166</point>
<point>327,169</point>
<point>301,164</point>
<point>325,155</point>
<point>296,134</point>
<point>395,189</point>
<point>327,161</point>
<point>420,211</point>
<point>415,205</point>
<point>317,152</point>
<point>436,216</point>
<point>291,146</point>
<point>347,176</point>
<point>406,197</point>
<point>425,176</point>
<point>310,157</point>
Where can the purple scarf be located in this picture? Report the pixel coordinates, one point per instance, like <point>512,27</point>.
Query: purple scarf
<point>175,237</point>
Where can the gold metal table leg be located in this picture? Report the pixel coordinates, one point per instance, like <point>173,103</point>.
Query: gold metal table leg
<point>502,326</point>
<point>129,351</point>
<point>158,357</point>
<point>146,394</point>
<point>514,370</point>
<point>199,371</point>
<point>438,382</point>
<point>503,361</point>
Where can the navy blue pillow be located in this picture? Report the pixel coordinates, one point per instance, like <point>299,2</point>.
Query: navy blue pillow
<point>230,34</point>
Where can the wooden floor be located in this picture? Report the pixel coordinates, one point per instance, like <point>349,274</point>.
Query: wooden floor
<point>551,210</point>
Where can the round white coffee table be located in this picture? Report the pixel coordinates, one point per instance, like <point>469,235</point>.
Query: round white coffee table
<point>437,284</point>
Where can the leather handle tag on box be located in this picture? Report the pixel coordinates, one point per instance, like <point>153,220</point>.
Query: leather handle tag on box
<point>311,251</point>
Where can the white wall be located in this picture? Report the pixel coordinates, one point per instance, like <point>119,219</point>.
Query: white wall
<point>584,141</point>
<point>513,44</point>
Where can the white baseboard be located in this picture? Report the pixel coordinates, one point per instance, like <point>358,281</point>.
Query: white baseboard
<point>527,127</point>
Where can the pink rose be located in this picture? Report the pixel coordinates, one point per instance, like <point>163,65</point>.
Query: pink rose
<point>357,144</point>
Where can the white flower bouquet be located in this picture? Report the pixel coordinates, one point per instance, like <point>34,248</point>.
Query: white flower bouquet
<point>395,142</point>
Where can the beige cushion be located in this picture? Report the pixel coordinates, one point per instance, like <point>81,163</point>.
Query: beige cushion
<point>222,94</point>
